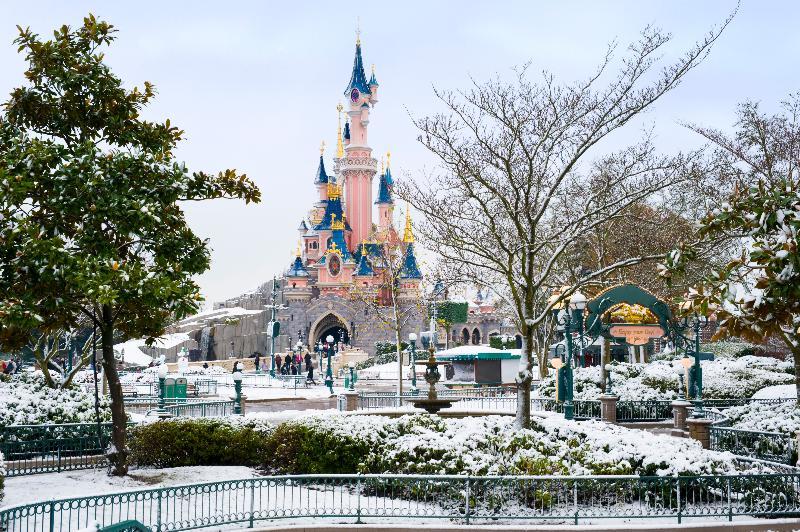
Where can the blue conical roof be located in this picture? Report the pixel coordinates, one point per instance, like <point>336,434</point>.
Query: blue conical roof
<point>410,270</point>
<point>358,80</point>
<point>372,80</point>
<point>337,238</point>
<point>333,206</point>
<point>322,175</point>
<point>364,268</point>
<point>297,269</point>
<point>385,189</point>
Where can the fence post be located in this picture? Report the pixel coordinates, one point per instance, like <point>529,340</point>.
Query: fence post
<point>158,512</point>
<point>575,498</point>
<point>252,501</point>
<point>358,499</point>
<point>52,515</point>
<point>730,505</point>
<point>678,484</point>
<point>467,496</point>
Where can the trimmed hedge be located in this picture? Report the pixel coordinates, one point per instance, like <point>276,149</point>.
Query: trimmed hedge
<point>192,442</point>
<point>298,449</point>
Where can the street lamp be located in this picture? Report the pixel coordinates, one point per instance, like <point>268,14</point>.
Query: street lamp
<point>412,340</point>
<point>609,390</point>
<point>237,385</point>
<point>680,371</point>
<point>352,366</point>
<point>696,322</point>
<point>329,371</point>
<point>162,376</point>
<point>570,318</point>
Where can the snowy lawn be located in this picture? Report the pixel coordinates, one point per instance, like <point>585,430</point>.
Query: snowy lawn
<point>31,488</point>
<point>779,391</point>
<point>26,400</point>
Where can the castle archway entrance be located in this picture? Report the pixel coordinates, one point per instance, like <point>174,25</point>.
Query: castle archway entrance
<point>330,325</point>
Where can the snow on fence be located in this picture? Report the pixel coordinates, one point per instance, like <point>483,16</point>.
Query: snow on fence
<point>771,446</point>
<point>393,498</point>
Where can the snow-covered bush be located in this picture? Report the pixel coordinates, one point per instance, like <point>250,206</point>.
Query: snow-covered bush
<point>723,378</point>
<point>420,443</point>
<point>766,417</point>
<point>26,400</point>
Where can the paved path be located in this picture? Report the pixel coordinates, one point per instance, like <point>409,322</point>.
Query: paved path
<point>280,405</point>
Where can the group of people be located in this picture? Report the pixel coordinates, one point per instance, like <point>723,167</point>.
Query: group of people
<point>292,364</point>
<point>9,366</point>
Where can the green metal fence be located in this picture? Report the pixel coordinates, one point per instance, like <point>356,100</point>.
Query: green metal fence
<point>771,446</point>
<point>201,409</point>
<point>32,449</point>
<point>643,411</point>
<point>392,498</point>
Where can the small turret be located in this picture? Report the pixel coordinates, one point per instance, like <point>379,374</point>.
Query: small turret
<point>373,88</point>
<point>364,268</point>
<point>358,85</point>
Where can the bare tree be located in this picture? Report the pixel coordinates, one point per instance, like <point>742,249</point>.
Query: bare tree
<point>46,347</point>
<point>516,191</point>
<point>386,299</point>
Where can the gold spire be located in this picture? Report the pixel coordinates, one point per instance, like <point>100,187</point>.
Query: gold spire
<point>299,249</point>
<point>382,165</point>
<point>322,147</point>
<point>339,147</point>
<point>388,159</point>
<point>408,234</point>
<point>358,31</point>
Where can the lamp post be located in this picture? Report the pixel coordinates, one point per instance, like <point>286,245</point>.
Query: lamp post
<point>237,386</point>
<point>273,328</point>
<point>352,387</point>
<point>412,340</point>
<point>695,321</point>
<point>570,318</point>
<point>319,348</point>
<point>609,389</point>
<point>162,376</point>
<point>329,370</point>
<point>680,371</point>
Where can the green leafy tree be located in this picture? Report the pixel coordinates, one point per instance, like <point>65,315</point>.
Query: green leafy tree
<point>757,294</point>
<point>90,218</point>
<point>448,313</point>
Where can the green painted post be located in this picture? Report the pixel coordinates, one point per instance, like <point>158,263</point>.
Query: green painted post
<point>52,516</point>
<point>467,496</point>
<point>252,501</point>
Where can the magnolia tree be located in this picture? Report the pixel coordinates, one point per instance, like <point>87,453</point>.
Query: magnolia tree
<point>522,179</point>
<point>91,225</point>
<point>757,294</point>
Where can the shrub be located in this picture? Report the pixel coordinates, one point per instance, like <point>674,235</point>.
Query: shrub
<point>301,449</point>
<point>497,342</point>
<point>191,442</point>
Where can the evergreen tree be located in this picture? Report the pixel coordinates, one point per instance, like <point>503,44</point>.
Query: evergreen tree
<point>90,220</point>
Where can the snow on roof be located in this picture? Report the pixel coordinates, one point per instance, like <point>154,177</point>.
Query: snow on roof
<point>220,313</point>
<point>132,354</point>
<point>470,350</point>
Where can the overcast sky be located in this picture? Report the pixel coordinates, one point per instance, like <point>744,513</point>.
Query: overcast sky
<point>255,84</point>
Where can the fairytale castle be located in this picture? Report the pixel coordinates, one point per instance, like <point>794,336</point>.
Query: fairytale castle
<point>343,249</point>
<point>342,257</point>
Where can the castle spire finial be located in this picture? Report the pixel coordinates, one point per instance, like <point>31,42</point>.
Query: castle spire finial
<point>382,161</point>
<point>408,234</point>
<point>322,147</point>
<point>299,249</point>
<point>358,31</point>
<point>339,146</point>
<point>388,158</point>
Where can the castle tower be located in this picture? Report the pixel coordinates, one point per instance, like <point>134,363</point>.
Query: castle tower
<point>385,201</point>
<point>357,167</point>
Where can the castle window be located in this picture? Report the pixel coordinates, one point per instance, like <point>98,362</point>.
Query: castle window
<point>291,318</point>
<point>294,285</point>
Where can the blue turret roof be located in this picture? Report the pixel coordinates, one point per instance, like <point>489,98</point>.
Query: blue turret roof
<point>389,180</point>
<point>303,227</point>
<point>372,80</point>
<point>297,269</point>
<point>347,131</point>
<point>358,80</point>
<point>322,175</point>
<point>333,206</point>
<point>385,189</point>
<point>337,238</point>
<point>410,270</point>
<point>364,268</point>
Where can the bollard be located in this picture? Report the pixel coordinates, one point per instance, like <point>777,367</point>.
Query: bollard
<point>699,430</point>
<point>680,412</point>
<point>608,408</point>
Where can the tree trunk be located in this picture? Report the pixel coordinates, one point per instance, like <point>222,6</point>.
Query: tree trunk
<point>117,452</point>
<point>524,380</point>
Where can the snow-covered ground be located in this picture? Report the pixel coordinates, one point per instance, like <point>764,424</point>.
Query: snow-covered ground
<point>131,351</point>
<point>32,488</point>
<point>780,391</point>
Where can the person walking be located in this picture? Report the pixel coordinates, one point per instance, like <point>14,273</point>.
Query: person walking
<point>278,362</point>
<point>257,361</point>
<point>309,368</point>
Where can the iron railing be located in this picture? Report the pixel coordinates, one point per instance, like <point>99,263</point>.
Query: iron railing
<point>201,409</point>
<point>771,446</point>
<point>30,449</point>
<point>392,498</point>
<point>643,411</point>
<point>727,403</point>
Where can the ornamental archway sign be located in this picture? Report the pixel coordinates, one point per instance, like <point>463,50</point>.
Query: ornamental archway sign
<point>633,333</point>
